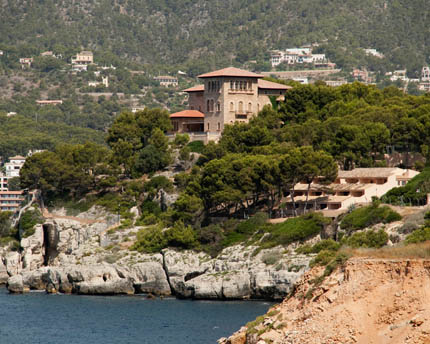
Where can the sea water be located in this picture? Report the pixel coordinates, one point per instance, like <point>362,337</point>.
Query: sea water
<point>61,319</point>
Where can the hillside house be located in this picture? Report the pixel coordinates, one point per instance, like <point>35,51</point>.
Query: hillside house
<point>26,62</point>
<point>227,96</point>
<point>167,80</point>
<point>83,58</point>
<point>104,82</point>
<point>374,52</point>
<point>14,166</point>
<point>350,188</point>
<point>49,102</point>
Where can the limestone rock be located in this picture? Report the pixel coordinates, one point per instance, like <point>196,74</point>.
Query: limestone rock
<point>15,284</point>
<point>13,263</point>
<point>151,278</point>
<point>3,273</point>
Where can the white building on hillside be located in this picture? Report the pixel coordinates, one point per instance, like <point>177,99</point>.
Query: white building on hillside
<point>14,166</point>
<point>350,188</point>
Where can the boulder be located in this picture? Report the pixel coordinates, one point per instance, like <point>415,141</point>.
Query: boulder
<point>13,263</point>
<point>3,273</point>
<point>15,284</point>
<point>150,277</point>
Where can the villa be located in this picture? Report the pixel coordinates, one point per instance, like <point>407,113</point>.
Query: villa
<point>226,96</point>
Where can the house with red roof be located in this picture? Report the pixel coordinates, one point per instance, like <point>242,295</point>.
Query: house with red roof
<point>226,96</point>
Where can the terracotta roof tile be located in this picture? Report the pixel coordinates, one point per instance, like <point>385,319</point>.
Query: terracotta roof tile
<point>188,114</point>
<point>198,88</point>
<point>272,85</point>
<point>231,71</point>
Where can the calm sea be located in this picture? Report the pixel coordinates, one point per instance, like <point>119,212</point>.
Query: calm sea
<point>61,319</point>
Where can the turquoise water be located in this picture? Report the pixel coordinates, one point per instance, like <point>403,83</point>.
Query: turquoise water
<point>61,319</point>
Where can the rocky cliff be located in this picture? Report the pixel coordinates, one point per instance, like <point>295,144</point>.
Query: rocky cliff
<point>365,301</point>
<point>80,256</point>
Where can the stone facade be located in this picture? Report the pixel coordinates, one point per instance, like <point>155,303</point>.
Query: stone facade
<point>231,95</point>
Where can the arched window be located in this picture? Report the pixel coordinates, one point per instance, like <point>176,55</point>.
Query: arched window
<point>218,106</point>
<point>258,107</point>
<point>212,105</point>
<point>250,85</point>
<point>236,85</point>
<point>240,107</point>
<point>231,106</point>
<point>219,126</point>
<point>249,107</point>
<point>231,85</point>
<point>208,127</point>
<point>208,106</point>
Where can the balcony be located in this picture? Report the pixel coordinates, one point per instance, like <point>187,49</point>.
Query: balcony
<point>242,114</point>
<point>235,91</point>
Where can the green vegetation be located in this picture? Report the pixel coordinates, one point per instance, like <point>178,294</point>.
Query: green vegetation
<point>367,239</point>
<point>28,220</point>
<point>367,216</point>
<point>414,192</point>
<point>132,32</point>
<point>419,235</point>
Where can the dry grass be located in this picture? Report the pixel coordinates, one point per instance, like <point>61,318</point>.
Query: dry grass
<point>418,251</point>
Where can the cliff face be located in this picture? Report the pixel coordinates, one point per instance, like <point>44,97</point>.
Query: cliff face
<point>366,301</point>
<point>77,256</point>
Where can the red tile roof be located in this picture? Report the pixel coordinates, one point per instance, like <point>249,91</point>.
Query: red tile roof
<point>231,71</point>
<point>269,85</point>
<point>198,88</point>
<point>188,114</point>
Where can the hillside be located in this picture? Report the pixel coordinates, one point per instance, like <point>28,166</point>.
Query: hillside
<point>181,33</point>
<point>367,301</point>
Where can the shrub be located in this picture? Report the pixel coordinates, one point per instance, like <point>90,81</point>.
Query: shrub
<point>28,220</point>
<point>252,224</point>
<point>196,146</point>
<point>270,258</point>
<point>181,140</point>
<point>296,229</point>
<point>420,235</point>
<point>157,183</point>
<point>181,236</point>
<point>150,240</point>
<point>323,258</point>
<point>368,239</point>
<point>368,216</point>
<point>327,244</point>
<point>415,191</point>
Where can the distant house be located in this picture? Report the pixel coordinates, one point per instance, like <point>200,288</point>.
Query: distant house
<point>26,62</point>
<point>399,75</point>
<point>374,52</point>
<point>49,102</point>
<point>3,182</point>
<point>167,80</point>
<point>293,56</point>
<point>14,166</point>
<point>11,113</point>
<point>79,67</point>
<point>11,200</point>
<point>1,52</point>
<point>335,83</point>
<point>105,82</point>
<point>350,188</point>
<point>137,109</point>
<point>84,57</point>
<point>47,53</point>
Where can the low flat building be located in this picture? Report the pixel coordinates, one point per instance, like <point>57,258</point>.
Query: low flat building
<point>354,187</point>
<point>26,62</point>
<point>167,80</point>
<point>49,102</point>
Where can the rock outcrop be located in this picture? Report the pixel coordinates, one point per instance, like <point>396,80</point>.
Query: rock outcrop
<point>365,301</point>
<point>85,256</point>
